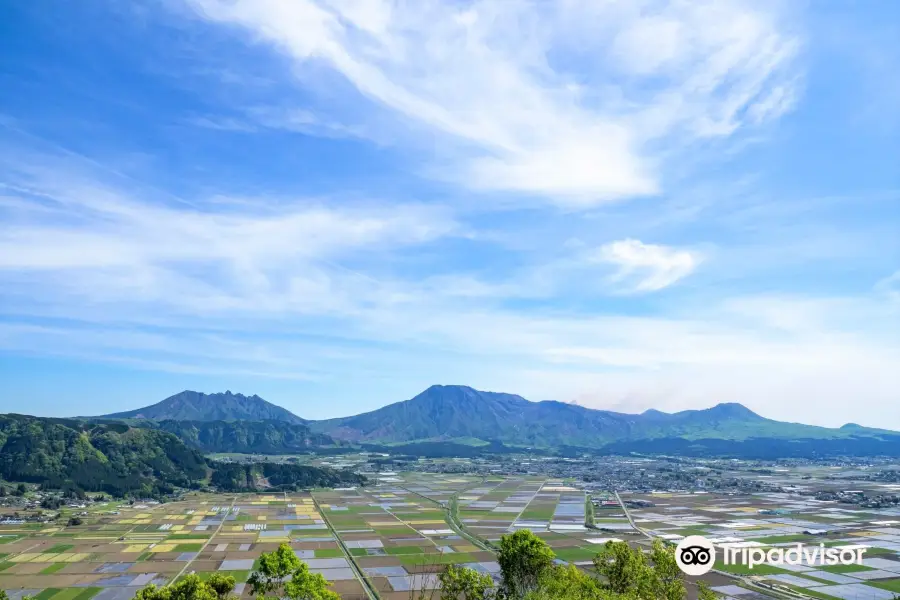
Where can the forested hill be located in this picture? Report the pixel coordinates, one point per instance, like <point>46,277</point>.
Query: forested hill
<point>122,459</point>
<point>231,477</point>
<point>262,437</point>
<point>109,457</point>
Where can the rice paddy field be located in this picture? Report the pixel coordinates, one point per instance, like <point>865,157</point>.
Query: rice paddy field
<point>391,539</point>
<point>381,541</point>
<point>770,520</point>
<point>119,549</point>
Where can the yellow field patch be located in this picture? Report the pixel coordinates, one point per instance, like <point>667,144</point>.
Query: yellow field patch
<point>136,548</point>
<point>42,558</point>
<point>77,557</point>
<point>125,521</point>
<point>162,548</point>
<point>24,557</point>
<point>864,533</point>
<point>427,522</point>
<point>177,527</point>
<point>236,527</point>
<point>466,548</point>
<point>143,516</point>
<point>384,523</point>
<point>192,541</point>
<point>143,521</point>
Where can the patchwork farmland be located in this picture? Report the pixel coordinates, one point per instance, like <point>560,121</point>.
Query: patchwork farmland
<point>771,520</point>
<point>384,541</point>
<point>390,540</point>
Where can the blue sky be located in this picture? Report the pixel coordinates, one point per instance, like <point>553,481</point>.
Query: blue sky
<point>336,203</point>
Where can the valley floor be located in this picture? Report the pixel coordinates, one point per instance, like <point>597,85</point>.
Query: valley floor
<point>385,540</point>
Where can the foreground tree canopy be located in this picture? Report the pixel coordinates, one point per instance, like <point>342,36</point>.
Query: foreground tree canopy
<point>528,571</point>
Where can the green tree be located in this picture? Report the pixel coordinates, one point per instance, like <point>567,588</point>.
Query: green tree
<point>628,570</point>
<point>462,583</point>
<point>524,558</point>
<point>571,583</point>
<point>624,569</point>
<point>304,585</point>
<point>667,579</point>
<point>282,571</point>
<point>190,588</point>
<point>221,584</point>
<point>3,595</point>
<point>704,592</point>
<point>274,568</point>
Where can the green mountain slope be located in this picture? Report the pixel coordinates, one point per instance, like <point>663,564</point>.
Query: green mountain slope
<point>235,477</point>
<point>452,412</point>
<point>120,459</point>
<point>114,458</point>
<point>264,437</point>
<point>197,406</point>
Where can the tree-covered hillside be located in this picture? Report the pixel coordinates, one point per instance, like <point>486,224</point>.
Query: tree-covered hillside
<point>232,477</point>
<point>122,459</point>
<point>109,457</point>
<point>261,437</point>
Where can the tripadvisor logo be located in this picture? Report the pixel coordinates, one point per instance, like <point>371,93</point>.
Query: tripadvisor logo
<point>696,555</point>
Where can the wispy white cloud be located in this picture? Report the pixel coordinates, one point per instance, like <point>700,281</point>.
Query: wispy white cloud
<point>292,119</point>
<point>890,286</point>
<point>729,288</point>
<point>92,242</point>
<point>647,267</point>
<point>573,100</point>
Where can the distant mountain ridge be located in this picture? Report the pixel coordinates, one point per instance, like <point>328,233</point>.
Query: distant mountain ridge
<point>461,414</point>
<point>454,412</point>
<point>197,406</point>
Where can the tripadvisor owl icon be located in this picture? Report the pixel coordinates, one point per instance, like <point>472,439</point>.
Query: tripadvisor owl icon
<point>695,555</point>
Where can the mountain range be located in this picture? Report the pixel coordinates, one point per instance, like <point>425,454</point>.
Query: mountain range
<point>197,406</point>
<point>460,414</point>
